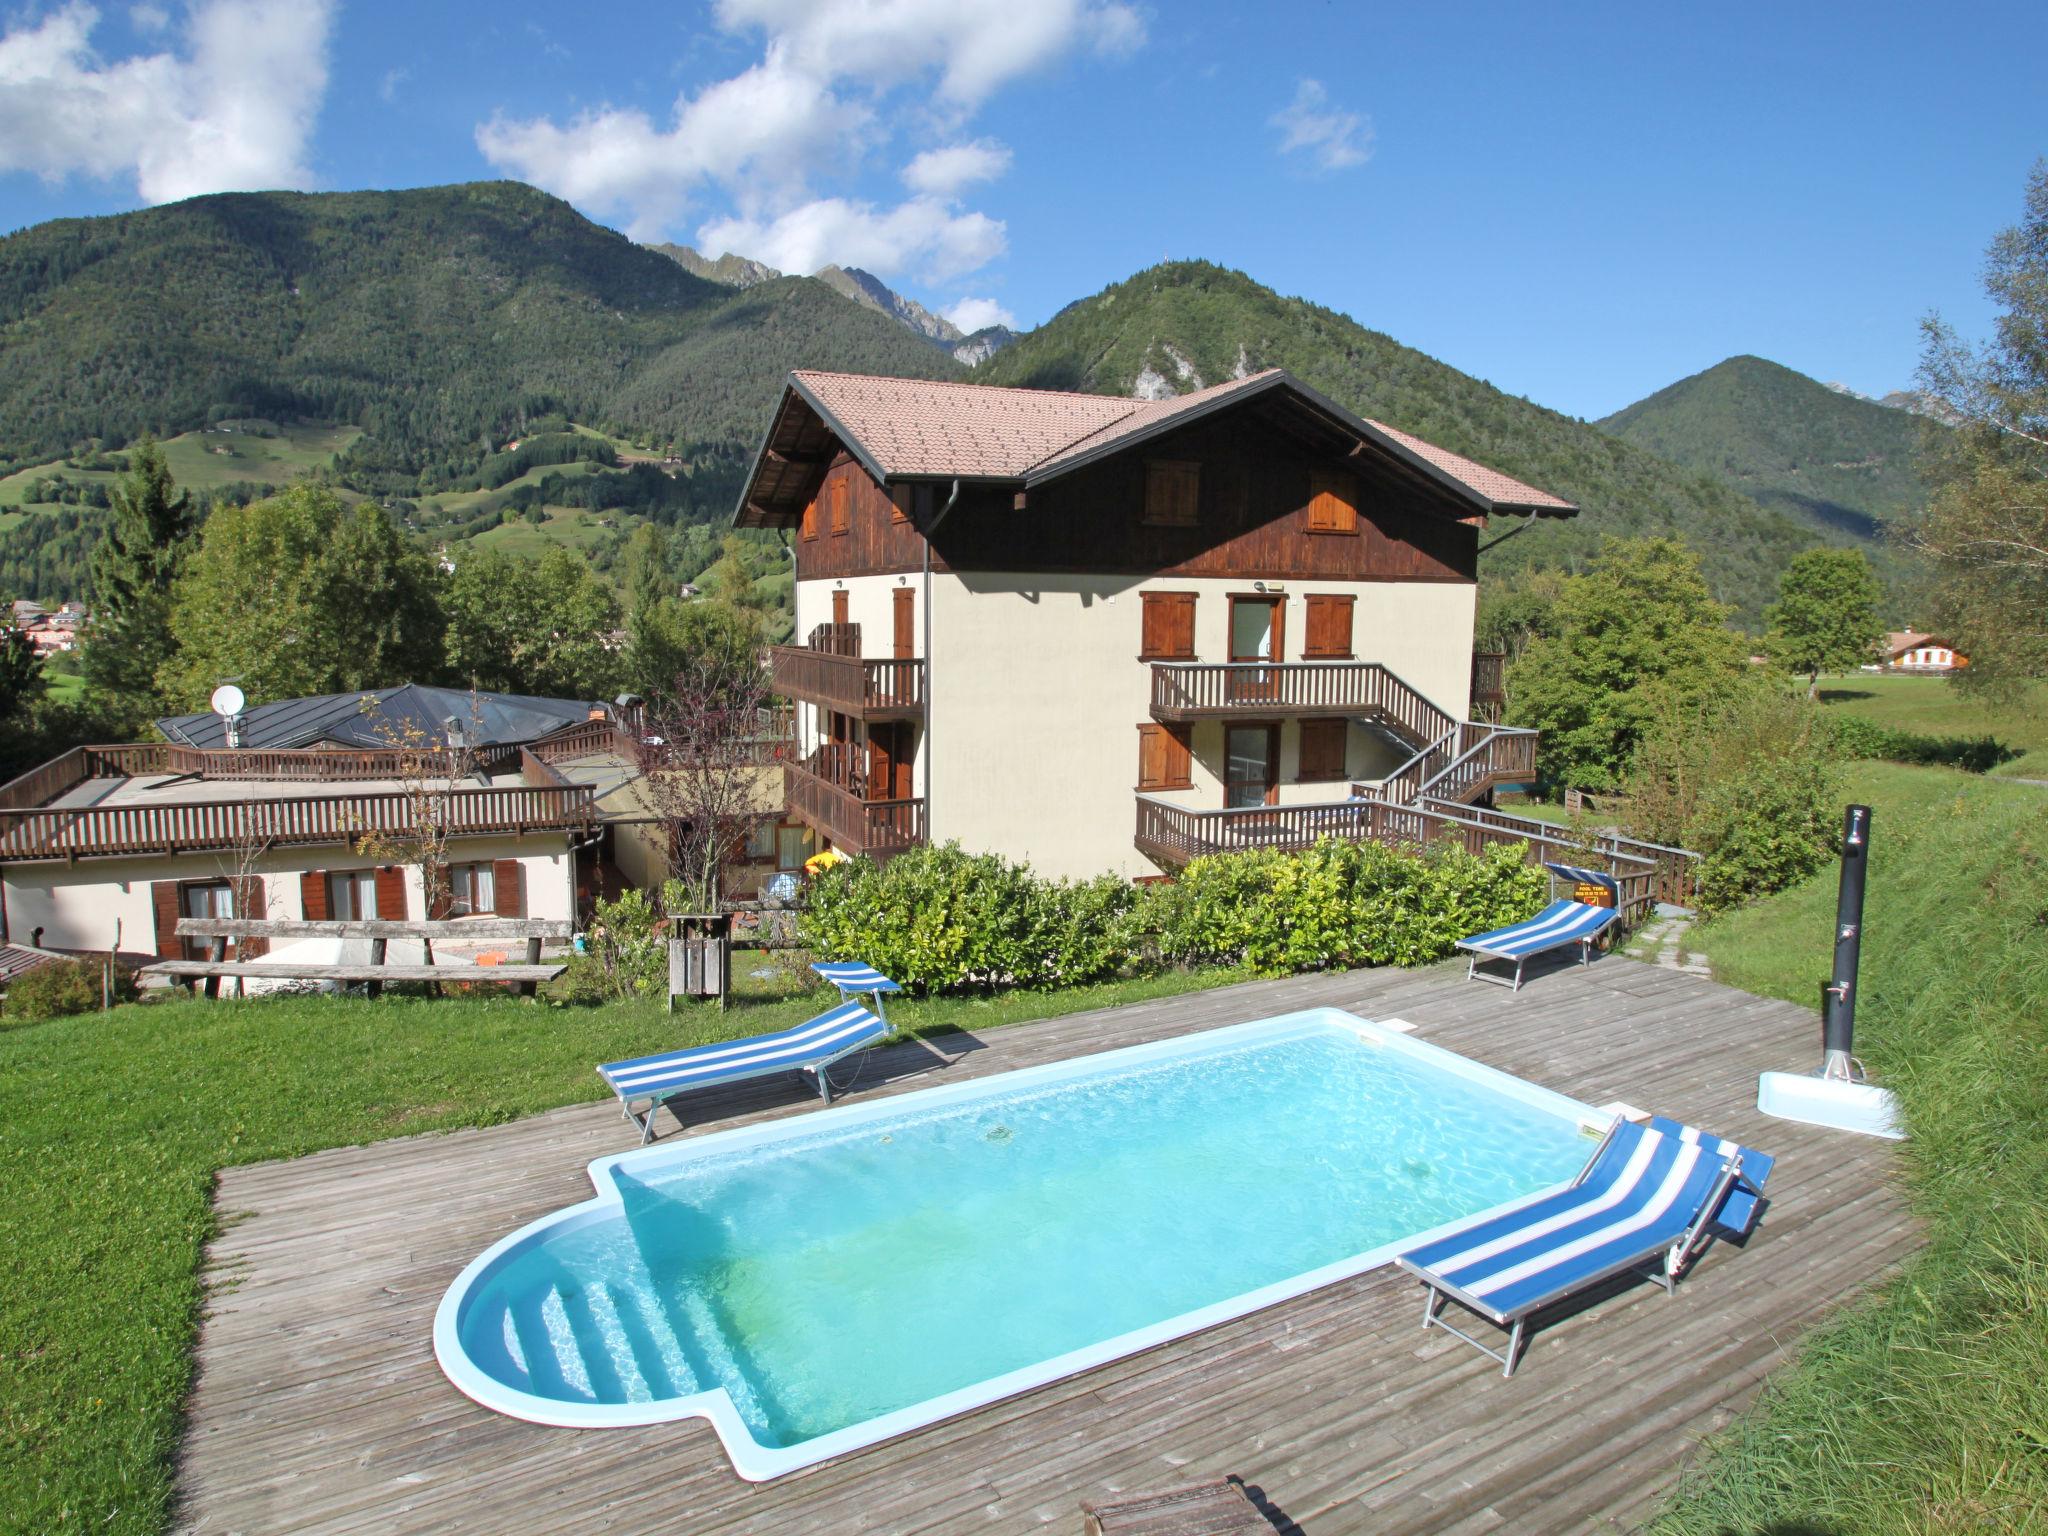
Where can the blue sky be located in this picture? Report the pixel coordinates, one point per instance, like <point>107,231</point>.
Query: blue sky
<point>1579,204</point>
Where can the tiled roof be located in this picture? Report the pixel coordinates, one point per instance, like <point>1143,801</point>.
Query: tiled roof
<point>917,428</point>
<point>1504,490</point>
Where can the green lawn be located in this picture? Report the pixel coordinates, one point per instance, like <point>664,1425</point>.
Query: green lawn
<point>208,460</point>
<point>112,1127</point>
<point>1922,1409</point>
<point>1934,706</point>
<point>576,528</point>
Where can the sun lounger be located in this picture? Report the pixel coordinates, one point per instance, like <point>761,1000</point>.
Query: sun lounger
<point>1560,924</point>
<point>1739,1210</point>
<point>809,1047</point>
<point>853,977</point>
<point>1646,1201</point>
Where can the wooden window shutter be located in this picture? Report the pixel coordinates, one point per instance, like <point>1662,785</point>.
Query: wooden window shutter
<point>1168,627</point>
<point>163,898</point>
<point>839,499</point>
<point>1332,502</point>
<point>1173,493</point>
<point>250,902</point>
<point>391,894</point>
<point>1322,751</point>
<point>313,896</point>
<point>810,525</point>
<point>508,885</point>
<point>1327,634</point>
<point>1164,761</point>
<point>899,504</point>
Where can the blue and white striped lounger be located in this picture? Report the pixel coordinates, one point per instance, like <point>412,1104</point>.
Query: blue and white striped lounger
<point>1744,1202</point>
<point>1557,925</point>
<point>810,1047</point>
<point>1645,1201</point>
<point>852,977</point>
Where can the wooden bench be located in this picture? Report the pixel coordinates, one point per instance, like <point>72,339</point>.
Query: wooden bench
<point>380,932</point>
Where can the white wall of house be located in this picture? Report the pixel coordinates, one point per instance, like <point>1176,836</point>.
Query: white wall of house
<point>870,603</point>
<point>1036,694</point>
<point>77,906</point>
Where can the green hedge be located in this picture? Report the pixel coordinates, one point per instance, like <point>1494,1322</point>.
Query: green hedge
<point>939,919</point>
<point>1857,737</point>
<point>61,988</point>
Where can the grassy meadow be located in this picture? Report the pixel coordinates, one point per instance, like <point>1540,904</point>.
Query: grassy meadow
<point>1933,706</point>
<point>206,461</point>
<point>1920,1409</point>
<point>113,1126</point>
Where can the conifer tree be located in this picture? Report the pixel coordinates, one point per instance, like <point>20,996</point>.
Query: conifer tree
<point>132,571</point>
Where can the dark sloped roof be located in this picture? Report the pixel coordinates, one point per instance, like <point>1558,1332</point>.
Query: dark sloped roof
<point>384,716</point>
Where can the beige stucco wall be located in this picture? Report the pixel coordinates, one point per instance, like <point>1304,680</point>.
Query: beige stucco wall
<point>1036,694</point>
<point>871,605</point>
<point>78,905</point>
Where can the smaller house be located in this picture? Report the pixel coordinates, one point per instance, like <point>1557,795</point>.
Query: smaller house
<point>1909,650</point>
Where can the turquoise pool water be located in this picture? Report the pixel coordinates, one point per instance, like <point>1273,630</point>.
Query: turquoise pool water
<point>842,1269</point>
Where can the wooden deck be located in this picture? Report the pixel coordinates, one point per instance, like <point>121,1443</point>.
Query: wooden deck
<point>318,1405</point>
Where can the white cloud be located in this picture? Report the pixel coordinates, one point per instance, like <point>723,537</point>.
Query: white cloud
<point>232,111</point>
<point>148,18</point>
<point>946,172</point>
<point>387,88</point>
<point>974,46</point>
<point>925,235</point>
<point>815,104</point>
<point>1333,137</point>
<point>972,315</point>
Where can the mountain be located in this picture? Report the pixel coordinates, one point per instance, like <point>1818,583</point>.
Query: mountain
<point>438,320</point>
<point>864,289</point>
<point>1837,461</point>
<point>1182,325</point>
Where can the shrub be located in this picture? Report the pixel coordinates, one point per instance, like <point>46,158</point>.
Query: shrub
<point>1343,904</point>
<point>1750,781</point>
<point>1855,737</point>
<point>64,987</point>
<point>938,918</point>
<point>624,955</point>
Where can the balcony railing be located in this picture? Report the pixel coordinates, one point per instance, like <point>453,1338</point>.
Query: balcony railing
<point>1185,691</point>
<point>53,832</point>
<point>1172,835</point>
<point>1489,684</point>
<point>825,792</point>
<point>871,690</point>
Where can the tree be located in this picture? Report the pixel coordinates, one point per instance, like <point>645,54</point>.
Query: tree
<point>301,594</point>
<point>703,769</point>
<point>1637,634</point>
<point>547,627</point>
<point>133,568</point>
<point>647,575</point>
<point>1826,616</point>
<point>1986,530</point>
<point>674,638</point>
<point>21,672</point>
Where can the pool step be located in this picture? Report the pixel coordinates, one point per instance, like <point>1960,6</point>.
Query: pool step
<point>601,1343</point>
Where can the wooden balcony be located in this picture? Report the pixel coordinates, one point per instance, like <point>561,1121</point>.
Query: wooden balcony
<point>826,791</point>
<point>1188,691</point>
<point>1172,835</point>
<point>1489,684</point>
<point>92,831</point>
<point>866,690</point>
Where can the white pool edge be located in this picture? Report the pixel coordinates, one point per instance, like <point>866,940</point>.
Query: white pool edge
<point>758,1463</point>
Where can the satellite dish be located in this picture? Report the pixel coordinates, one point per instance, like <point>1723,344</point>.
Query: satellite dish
<point>227,700</point>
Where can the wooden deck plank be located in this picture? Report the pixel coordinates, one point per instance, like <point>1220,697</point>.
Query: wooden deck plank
<point>318,1406</point>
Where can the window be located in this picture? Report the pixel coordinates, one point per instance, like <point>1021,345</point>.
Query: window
<point>1168,629</point>
<point>471,889</point>
<point>1332,502</point>
<point>810,527</point>
<point>1322,751</point>
<point>1173,493</point>
<point>209,898</point>
<point>793,845</point>
<point>839,505</point>
<point>1327,634</point>
<point>352,895</point>
<point>1164,761</point>
<point>761,842</point>
<point>1251,755</point>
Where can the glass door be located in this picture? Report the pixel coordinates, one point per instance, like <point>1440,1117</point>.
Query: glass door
<point>1250,765</point>
<point>212,898</point>
<point>1255,636</point>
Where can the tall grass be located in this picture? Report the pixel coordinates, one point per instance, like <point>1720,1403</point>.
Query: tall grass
<point>113,1126</point>
<point>1924,1408</point>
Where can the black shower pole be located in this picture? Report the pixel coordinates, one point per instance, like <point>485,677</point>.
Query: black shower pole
<point>1838,997</point>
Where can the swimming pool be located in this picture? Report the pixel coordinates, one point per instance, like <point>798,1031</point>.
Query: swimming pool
<point>821,1283</point>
